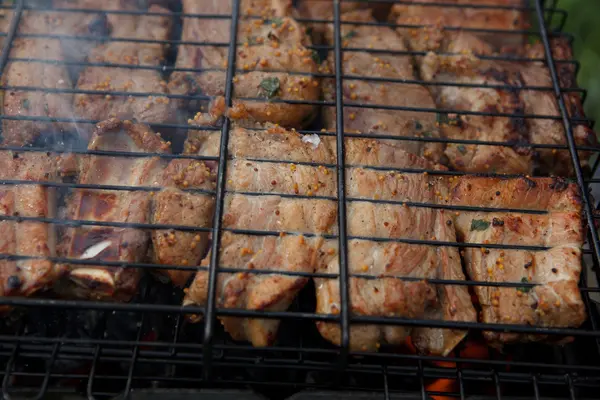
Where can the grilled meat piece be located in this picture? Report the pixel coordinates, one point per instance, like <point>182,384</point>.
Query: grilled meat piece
<point>384,292</point>
<point>470,70</point>
<point>323,10</point>
<point>374,93</point>
<point>27,238</point>
<point>275,44</point>
<point>43,74</point>
<point>555,301</point>
<point>149,108</point>
<point>95,23</point>
<point>173,206</point>
<point>109,243</point>
<point>254,291</point>
<point>429,21</point>
<point>549,131</point>
<point>259,208</point>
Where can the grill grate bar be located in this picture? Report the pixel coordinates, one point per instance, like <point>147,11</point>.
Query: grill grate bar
<point>221,179</point>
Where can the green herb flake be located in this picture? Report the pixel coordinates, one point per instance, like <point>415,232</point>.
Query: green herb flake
<point>276,21</point>
<point>462,148</point>
<point>26,104</point>
<point>479,225</point>
<point>349,35</point>
<point>46,109</point>
<point>270,86</point>
<point>251,40</point>
<point>315,56</point>
<point>525,289</point>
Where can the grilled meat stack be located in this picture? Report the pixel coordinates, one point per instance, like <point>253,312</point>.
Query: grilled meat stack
<point>280,207</point>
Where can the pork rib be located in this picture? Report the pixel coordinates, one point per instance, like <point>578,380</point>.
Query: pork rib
<point>122,206</point>
<point>27,238</point>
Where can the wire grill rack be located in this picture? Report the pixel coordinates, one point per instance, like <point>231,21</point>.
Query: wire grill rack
<point>107,349</point>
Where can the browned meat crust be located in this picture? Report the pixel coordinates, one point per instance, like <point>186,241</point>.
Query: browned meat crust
<point>421,38</point>
<point>390,296</point>
<point>42,75</point>
<point>261,208</point>
<point>278,143</point>
<point>173,206</point>
<point>150,109</point>
<point>548,131</point>
<point>374,93</point>
<point>555,301</point>
<point>27,238</point>
<point>112,243</point>
<point>323,10</point>
<point>274,43</point>
<point>245,290</point>
<point>467,69</point>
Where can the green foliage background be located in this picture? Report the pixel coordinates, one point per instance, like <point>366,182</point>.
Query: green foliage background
<point>583,22</point>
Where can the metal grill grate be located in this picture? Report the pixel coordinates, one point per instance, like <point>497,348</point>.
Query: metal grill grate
<point>105,349</point>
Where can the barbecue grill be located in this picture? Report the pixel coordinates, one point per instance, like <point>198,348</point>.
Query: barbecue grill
<point>56,347</point>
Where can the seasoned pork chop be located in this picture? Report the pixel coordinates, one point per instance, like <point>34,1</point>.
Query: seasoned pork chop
<point>108,243</point>
<point>263,208</point>
<point>375,93</point>
<point>324,10</point>
<point>424,17</point>
<point>251,291</point>
<point>174,206</point>
<point>273,43</point>
<point>555,301</point>
<point>27,238</point>
<point>147,109</point>
<point>387,261</point>
<point>470,70</point>
<point>550,131</point>
<point>44,75</point>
